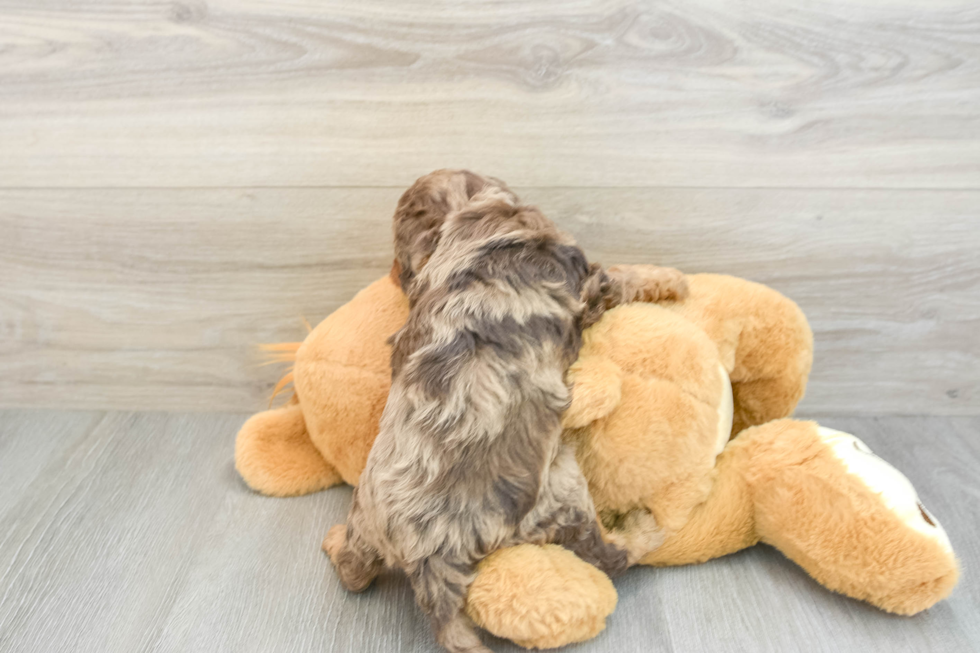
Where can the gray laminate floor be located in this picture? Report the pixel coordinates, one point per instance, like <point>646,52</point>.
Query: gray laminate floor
<point>131,532</point>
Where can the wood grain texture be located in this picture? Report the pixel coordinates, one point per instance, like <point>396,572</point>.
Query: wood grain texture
<point>181,180</point>
<point>97,548</point>
<point>610,93</point>
<point>28,442</point>
<point>154,299</point>
<point>137,536</point>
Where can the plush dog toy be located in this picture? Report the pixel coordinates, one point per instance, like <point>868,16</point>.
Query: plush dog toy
<point>679,408</point>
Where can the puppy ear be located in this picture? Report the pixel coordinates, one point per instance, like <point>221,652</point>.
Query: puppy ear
<point>396,272</point>
<point>596,391</point>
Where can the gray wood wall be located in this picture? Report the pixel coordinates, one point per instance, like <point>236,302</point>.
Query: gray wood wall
<point>179,181</point>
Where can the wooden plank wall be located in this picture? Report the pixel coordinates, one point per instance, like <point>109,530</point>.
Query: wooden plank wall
<point>181,180</point>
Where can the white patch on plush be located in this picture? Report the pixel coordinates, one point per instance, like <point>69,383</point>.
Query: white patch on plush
<point>895,490</point>
<point>726,411</point>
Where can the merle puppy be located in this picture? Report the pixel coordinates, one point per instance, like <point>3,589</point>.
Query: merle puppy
<point>470,456</point>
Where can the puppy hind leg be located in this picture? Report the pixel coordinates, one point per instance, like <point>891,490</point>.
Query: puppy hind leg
<point>440,589</point>
<point>357,563</point>
<point>580,533</point>
<point>636,531</point>
<point>565,515</point>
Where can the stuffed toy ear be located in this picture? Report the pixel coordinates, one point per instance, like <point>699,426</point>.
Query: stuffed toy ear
<point>596,391</point>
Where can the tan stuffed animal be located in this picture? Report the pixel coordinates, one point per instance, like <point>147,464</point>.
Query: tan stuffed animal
<point>676,407</point>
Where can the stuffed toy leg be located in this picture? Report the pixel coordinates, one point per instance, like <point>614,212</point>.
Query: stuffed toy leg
<point>820,496</point>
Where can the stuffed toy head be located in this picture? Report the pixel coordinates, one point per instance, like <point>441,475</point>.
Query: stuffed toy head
<point>677,408</point>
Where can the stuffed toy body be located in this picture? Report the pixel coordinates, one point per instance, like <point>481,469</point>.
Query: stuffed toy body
<point>681,408</point>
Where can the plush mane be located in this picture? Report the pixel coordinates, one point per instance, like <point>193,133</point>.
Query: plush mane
<point>280,352</point>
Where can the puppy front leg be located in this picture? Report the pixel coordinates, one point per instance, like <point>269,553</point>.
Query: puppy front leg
<point>646,283</point>
<point>622,284</point>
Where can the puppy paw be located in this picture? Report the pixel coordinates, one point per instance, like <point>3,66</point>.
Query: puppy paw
<point>334,540</point>
<point>672,285</point>
<point>653,283</point>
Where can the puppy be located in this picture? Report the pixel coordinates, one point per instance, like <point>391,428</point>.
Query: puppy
<point>470,457</point>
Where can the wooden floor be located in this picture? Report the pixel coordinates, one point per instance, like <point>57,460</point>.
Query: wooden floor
<point>131,532</point>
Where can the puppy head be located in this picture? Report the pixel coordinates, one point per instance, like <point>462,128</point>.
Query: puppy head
<point>423,209</point>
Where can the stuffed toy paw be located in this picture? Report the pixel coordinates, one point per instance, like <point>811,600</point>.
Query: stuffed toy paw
<point>678,412</point>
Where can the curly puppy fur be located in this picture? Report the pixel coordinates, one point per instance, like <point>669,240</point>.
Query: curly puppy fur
<point>470,457</point>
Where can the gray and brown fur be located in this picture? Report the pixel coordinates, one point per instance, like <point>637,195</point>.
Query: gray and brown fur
<point>470,458</point>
